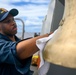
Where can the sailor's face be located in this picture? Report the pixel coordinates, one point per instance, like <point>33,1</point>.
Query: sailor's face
<point>8,26</point>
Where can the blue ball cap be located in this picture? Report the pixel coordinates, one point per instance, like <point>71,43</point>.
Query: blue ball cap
<point>4,13</point>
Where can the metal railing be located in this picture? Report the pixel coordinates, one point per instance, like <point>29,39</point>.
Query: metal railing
<point>23,26</point>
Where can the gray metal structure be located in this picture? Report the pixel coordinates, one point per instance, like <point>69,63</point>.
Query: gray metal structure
<point>53,17</point>
<point>57,15</point>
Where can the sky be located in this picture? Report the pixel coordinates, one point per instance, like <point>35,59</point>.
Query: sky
<point>32,12</point>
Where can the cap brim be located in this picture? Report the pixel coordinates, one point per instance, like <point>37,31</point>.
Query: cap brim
<point>13,12</point>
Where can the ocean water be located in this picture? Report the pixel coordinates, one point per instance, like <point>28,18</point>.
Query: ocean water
<point>25,35</point>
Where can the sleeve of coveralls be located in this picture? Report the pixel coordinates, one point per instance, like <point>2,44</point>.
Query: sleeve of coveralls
<point>8,55</point>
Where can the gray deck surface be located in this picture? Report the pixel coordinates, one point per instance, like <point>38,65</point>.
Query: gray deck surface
<point>34,68</point>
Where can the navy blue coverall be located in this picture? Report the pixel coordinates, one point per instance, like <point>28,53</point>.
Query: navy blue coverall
<point>10,64</point>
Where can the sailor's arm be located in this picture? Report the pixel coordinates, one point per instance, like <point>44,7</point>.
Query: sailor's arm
<point>28,47</point>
